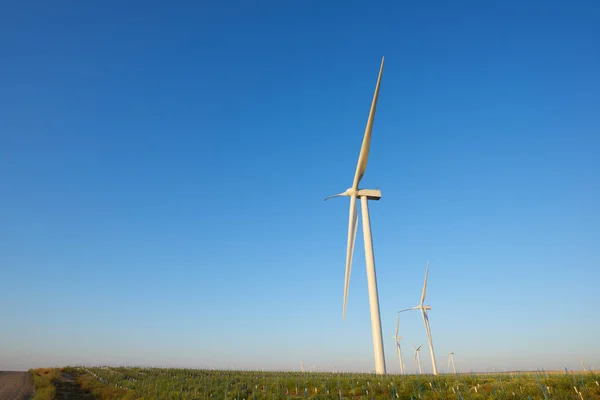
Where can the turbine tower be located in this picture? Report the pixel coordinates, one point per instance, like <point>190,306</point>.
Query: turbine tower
<point>398,349</point>
<point>418,357</point>
<point>423,308</point>
<point>365,195</point>
<point>451,358</point>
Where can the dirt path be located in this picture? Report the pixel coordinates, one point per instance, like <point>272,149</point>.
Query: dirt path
<point>15,385</point>
<point>68,389</point>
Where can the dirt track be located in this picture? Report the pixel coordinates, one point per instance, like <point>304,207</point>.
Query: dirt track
<point>67,389</point>
<point>15,385</point>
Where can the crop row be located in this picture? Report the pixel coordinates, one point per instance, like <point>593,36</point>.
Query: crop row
<point>188,384</point>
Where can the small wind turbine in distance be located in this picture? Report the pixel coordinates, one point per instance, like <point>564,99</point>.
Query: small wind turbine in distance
<point>398,349</point>
<point>418,356</point>
<point>423,308</point>
<point>451,358</point>
<point>365,195</point>
<point>581,361</point>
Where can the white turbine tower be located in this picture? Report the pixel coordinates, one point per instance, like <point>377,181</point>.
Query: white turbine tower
<point>418,357</point>
<point>451,358</point>
<point>423,308</point>
<point>365,195</point>
<point>398,349</point>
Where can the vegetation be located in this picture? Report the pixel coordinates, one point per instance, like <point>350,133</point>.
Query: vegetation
<point>43,379</point>
<point>187,384</point>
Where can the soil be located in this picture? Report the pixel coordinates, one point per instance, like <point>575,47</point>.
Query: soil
<point>19,386</point>
<point>15,385</point>
<point>68,389</point>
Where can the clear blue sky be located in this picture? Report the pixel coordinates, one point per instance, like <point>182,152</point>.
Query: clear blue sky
<point>163,169</point>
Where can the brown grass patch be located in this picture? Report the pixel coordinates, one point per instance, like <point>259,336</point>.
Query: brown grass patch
<point>100,390</point>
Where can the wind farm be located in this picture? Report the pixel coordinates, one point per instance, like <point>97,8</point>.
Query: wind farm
<point>163,229</point>
<point>139,382</point>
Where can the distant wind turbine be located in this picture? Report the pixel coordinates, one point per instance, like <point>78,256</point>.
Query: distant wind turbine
<point>418,356</point>
<point>398,348</point>
<point>451,358</point>
<point>423,308</point>
<point>365,195</point>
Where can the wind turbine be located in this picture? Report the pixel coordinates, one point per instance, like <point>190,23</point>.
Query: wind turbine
<point>365,195</point>
<point>451,358</point>
<point>398,349</point>
<point>418,356</point>
<point>423,308</point>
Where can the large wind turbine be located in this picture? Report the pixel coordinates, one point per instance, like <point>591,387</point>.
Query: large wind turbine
<point>398,349</point>
<point>365,195</point>
<point>418,356</point>
<point>451,358</point>
<point>423,308</point>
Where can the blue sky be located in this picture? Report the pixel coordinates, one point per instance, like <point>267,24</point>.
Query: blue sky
<point>163,169</point>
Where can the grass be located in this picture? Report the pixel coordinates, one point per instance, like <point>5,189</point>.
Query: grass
<point>43,380</point>
<point>108,383</point>
<point>99,389</point>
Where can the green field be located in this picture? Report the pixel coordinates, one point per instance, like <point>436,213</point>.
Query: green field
<point>162,383</point>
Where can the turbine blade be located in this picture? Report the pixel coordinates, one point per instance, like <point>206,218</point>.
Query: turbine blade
<point>352,227</point>
<point>397,324</point>
<point>425,285</point>
<point>335,195</point>
<point>363,158</point>
<point>427,328</point>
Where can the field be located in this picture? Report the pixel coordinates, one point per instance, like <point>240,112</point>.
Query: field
<point>187,384</point>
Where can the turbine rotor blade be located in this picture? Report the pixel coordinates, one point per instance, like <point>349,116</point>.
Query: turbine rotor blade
<point>363,158</point>
<point>427,328</point>
<point>352,228</point>
<point>425,285</point>
<point>397,325</point>
<point>408,309</point>
<point>335,195</point>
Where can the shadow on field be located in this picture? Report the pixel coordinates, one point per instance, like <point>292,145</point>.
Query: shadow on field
<point>68,389</point>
